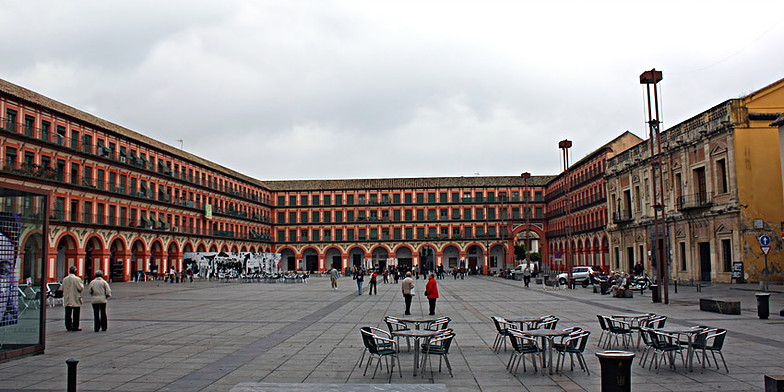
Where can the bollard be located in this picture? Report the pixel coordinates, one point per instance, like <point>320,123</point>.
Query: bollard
<point>763,305</point>
<point>71,374</point>
<point>699,288</point>
<point>774,383</point>
<point>676,286</point>
<point>616,370</point>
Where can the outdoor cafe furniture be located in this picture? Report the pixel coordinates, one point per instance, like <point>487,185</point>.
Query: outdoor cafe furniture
<point>573,344</point>
<point>711,340</point>
<point>378,332</point>
<point>438,324</point>
<point>679,334</point>
<point>395,325</point>
<point>664,346</point>
<point>379,347</point>
<point>502,327</point>
<point>635,321</point>
<point>547,336</point>
<point>438,345</point>
<point>417,321</point>
<point>615,328</point>
<point>417,334</point>
<point>522,345</point>
<point>525,322</point>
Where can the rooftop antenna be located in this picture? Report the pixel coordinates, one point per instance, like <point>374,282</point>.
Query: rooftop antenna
<point>181,143</point>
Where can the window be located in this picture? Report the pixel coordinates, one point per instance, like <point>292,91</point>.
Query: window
<point>327,216</point>
<point>409,233</point>
<point>338,234</point>
<point>75,173</point>
<point>408,198</point>
<point>349,199</point>
<point>315,217</point>
<point>396,215</point>
<point>480,214</point>
<point>338,200</point>
<point>467,231</point>
<point>10,120</point>
<point>281,217</point>
<point>10,156</point>
<point>442,197</point>
<point>303,200</point>
<point>327,200</point>
<point>281,201</point>
<point>409,215</point>
<point>292,217</point>
<point>420,233</point>
<point>338,216</point>
<point>721,176</point>
<point>467,213</point>
<point>396,233</point>
<point>726,254</point>
<point>396,198</point>
<point>420,198</point>
<point>683,256</point>
<point>349,234</point>
<point>315,235</point>
<point>538,196</point>
<point>431,197</point>
<point>281,236</point>
<point>292,235</point>
<point>420,215</point>
<point>349,216</point>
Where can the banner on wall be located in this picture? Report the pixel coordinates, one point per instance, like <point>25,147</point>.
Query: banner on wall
<point>10,228</point>
<point>206,263</point>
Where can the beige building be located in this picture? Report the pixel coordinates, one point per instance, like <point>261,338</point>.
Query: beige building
<point>722,189</point>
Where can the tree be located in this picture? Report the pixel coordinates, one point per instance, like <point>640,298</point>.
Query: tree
<point>519,251</point>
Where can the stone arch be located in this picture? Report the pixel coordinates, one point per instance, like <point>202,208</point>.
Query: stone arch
<point>173,256</point>
<point>32,257</point>
<point>157,258</point>
<point>234,248</point>
<point>474,258</point>
<point>451,256</point>
<point>213,248</point>
<point>497,253</point>
<point>333,258</point>
<point>187,248</point>
<point>119,262</point>
<point>224,248</point>
<point>139,256</point>
<point>288,259</point>
<point>201,247</point>
<point>310,259</point>
<point>380,254</point>
<point>244,248</point>
<point>405,256</point>
<point>96,256</point>
<point>427,257</point>
<point>356,256</point>
<point>67,256</point>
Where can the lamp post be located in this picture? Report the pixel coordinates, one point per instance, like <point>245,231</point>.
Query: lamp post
<point>526,176</point>
<point>565,145</point>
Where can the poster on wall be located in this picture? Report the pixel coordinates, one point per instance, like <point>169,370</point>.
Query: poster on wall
<point>10,228</point>
<point>213,264</point>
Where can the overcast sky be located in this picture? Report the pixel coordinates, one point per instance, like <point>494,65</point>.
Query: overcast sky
<point>378,89</point>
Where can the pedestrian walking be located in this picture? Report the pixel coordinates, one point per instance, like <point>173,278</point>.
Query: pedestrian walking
<point>333,276</point>
<point>72,299</point>
<point>408,291</point>
<point>386,275</point>
<point>373,282</point>
<point>100,292</point>
<point>431,292</point>
<point>396,274</point>
<point>360,277</point>
<point>526,276</point>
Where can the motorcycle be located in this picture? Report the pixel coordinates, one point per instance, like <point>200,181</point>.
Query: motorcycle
<point>640,283</point>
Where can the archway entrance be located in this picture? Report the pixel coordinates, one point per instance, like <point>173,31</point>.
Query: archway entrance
<point>357,257</point>
<point>311,260</point>
<point>404,258</point>
<point>451,257</point>
<point>288,259</point>
<point>427,259</point>
<point>380,256</point>
<point>32,252</point>
<point>116,265</point>
<point>474,256</point>
<point>332,257</point>
<point>92,257</point>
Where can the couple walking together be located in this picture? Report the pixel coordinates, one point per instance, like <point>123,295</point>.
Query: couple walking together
<point>431,291</point>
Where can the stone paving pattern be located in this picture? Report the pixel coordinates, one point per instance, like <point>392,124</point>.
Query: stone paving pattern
<point>213,336</point>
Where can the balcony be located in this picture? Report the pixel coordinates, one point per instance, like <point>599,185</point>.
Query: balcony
<point>695,201</point>
<point>620,217</point>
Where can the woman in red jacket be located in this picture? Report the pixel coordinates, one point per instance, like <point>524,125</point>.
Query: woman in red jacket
<point>431,292</point>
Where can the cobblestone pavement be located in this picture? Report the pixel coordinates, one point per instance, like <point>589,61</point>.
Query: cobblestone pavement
<point>212,336</point>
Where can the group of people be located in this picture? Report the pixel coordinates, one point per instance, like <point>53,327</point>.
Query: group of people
<point>72,287</point>
<point>408,287</point>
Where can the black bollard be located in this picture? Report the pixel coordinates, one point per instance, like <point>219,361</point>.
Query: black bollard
<point>763,305</point>
<point>616,370</point>
<point>676,286</point>
<point>71,374</point>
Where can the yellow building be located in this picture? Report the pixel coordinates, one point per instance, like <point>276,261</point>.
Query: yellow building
<point>723,190</point>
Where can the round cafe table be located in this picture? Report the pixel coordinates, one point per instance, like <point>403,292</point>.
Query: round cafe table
<point>416,334</point>
<point>547,336</point>
<point>525,321</point>
<point>417,320</point>
<point>689,333</point>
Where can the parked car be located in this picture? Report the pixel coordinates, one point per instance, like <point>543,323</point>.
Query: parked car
<point>580,275</point>
<point>517,272</point>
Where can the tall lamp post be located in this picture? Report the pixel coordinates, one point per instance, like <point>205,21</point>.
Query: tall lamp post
<point>565,145</point>
<point>526,176</point>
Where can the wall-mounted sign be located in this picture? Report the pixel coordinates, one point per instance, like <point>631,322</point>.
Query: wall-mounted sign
<point>208,211</point>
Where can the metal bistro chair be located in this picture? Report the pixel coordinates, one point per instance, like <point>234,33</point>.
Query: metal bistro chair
<point>522,345</point>
<point>549,322</point>
<point>618,328</point>
<point>663,346</point>
<point>574,344</point>
<point>712,341</point>
<point>379,347</point>
<point>502,332</point>
<point>438,324</point>
<point>378,332</point>
<point>438,345</point>
<point>395,325</point>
